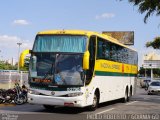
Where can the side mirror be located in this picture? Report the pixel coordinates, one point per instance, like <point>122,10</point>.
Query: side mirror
<point>22,57</point>
<point>86,60</point>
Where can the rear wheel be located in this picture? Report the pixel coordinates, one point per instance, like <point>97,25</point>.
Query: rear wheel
<point>10,98</point>
<point>131,92</point>
<point>126,97</point>
<point>1,99</point>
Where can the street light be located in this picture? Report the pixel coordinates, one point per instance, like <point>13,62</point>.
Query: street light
<point>143,65</point>
<point>151,71</point>
<point>19,44</point>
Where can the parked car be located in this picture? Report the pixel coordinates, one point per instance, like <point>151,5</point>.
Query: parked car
<point>154,88</point>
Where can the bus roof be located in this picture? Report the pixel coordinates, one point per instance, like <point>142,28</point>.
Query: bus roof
<point>82,32</point>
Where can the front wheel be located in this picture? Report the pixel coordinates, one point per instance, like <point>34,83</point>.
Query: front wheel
<point>19,99</point>
<point>126,97</point>
<point>94,106</point>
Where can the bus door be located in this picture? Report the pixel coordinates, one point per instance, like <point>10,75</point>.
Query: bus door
<point>92,49</point>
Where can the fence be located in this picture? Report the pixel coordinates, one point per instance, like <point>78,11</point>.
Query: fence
<point>9,77</point>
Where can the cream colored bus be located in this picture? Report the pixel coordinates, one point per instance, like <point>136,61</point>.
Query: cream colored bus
<point>80,68</point>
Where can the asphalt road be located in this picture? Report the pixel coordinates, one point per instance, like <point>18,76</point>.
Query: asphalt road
<point>141,106</point>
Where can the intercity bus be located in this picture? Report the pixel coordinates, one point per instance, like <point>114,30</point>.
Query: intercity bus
<point>79,68</point>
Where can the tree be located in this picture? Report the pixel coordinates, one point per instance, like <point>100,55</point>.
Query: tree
<point>155,43</point>
<point>6,66</point>
<point>147,6</point>
<point>147,71</point>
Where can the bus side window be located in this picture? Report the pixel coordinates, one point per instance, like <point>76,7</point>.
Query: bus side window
<point>106,50</point>
<point>100,49</point>
<point>103,49</point>
<point>126,55</point>
<point>130,57</point>
<point>119,53</point>
<point>113,52</point>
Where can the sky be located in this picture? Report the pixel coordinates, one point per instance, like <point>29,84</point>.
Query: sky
<point>20,20</point>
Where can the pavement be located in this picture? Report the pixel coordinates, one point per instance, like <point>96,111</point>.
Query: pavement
<point>140,107</point>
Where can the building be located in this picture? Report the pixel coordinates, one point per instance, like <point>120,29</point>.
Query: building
<point>11,61</point>
<point>151,61</point>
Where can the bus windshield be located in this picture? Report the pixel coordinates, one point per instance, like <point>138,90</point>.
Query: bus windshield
<point>60,43</point>
<point>56,69</point>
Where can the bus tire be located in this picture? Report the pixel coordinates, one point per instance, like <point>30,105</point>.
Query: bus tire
<point>130,93</point>
<point>49,107</point>
<point>126,97</point>
<point>94,106</point>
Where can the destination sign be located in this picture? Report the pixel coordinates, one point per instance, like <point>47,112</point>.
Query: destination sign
<point>41,80</point>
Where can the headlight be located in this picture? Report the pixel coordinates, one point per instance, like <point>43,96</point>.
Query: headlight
<point>34,92</point>
<point>74,94</point>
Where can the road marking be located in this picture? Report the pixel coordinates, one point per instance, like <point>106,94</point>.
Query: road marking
<point>105,111</point>
<point>131,102</point>
<point>146,98</point>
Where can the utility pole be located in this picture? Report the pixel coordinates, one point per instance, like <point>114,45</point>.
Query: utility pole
<point>19,44</point>
<point>151,71</point>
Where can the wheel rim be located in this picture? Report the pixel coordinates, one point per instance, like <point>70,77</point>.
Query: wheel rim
<point>126,96</point>
<point>94,101</point>
<point>19,100</point>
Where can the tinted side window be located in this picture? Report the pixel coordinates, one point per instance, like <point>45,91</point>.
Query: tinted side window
<point>106,50</point>
<point>100,49</point>
<point>111,51</point>
<point>133,57</point>
<point>103,49</point>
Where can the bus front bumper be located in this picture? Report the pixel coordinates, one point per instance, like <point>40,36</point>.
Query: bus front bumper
<point>56,101</point>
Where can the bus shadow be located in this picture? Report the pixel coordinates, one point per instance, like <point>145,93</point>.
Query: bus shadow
<point>74,110</point>
<point>110,103</point>
<point>27,108</point>
<point>65,110</point>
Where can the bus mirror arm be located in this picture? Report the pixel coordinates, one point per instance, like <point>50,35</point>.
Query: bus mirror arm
<point>30,51</point>
<point>86,60</point>
<point>22,57</point>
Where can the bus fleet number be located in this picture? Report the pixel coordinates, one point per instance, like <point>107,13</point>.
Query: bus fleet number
<point>73,89</point>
